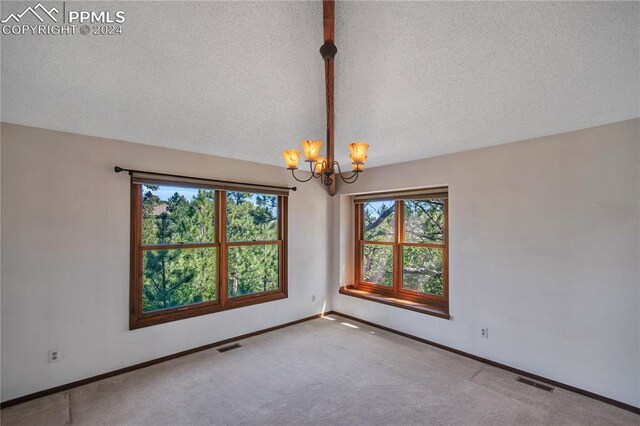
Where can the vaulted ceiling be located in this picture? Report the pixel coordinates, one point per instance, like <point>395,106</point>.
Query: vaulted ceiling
<point>245,80</point>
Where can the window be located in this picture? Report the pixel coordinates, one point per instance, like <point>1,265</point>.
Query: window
<point>197,249</point>
<point>401,250</point>
<point>253,245</point>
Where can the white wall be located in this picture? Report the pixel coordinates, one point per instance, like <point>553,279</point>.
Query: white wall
<point>65,263</point>
<point>544,250</point>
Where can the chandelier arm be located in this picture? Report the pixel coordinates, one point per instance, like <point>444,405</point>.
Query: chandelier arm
<point>349,179</point>
<point>313,173</point>
<point>301,180</point>
<point>334,164</point>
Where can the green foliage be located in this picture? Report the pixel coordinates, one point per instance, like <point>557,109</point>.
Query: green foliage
<point>254,268</point>
<point>422,269</point>
<point>422,266</point>
<point>379,225</point>
<point>178,277</point>
<point>176,219</point>
<point>379,221</point>
<point>251,217</point>
<point>377,264</point>
<point>424,221</point>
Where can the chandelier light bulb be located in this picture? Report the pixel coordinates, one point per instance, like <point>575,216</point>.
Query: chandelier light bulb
<point>320,165</point>
<point>311,149</point>
<point>291,158</point>
<point>358,152</point>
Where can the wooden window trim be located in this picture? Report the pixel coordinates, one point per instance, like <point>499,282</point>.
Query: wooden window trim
<point>395,295</point>
<point>140,319</point>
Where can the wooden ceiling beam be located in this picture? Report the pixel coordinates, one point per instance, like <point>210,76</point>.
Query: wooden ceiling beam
<point>328,16</point>
<point>328,52</point>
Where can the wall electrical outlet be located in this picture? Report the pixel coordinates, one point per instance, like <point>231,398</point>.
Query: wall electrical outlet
<point>54,355</point>
<point>313,297</point>
<point>484,332</point>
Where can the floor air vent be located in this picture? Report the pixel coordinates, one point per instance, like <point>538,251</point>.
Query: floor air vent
<point>230,347</point>
<point>534,384</point>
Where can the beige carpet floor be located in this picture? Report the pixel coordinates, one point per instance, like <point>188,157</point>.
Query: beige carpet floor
<point>329,371</point>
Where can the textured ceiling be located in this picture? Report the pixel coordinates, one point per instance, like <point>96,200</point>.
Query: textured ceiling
<point>245,80</point>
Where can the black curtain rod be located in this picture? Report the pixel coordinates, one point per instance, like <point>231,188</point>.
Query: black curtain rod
<point>119,169</point>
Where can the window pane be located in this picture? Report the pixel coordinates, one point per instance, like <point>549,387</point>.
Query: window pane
<point>379,221</point>
<point>253,269</point>
<point>251,217</point>
<point>377,264</point>
<point>173,214</point>
<point>424,221</point>
<point>422,269</point>
<point>178,277</point>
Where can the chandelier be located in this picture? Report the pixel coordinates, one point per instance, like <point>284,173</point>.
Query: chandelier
<point>325,168</point>
<point>322,168</point>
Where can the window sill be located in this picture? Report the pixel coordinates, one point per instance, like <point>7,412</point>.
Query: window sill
<point>398,303</point>
<point>160,317</point>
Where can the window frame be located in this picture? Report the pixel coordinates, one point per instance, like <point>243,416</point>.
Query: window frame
<point>138,318</point>
<point>396,292</point>
<point>279,241</point>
